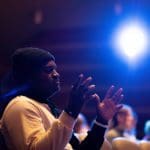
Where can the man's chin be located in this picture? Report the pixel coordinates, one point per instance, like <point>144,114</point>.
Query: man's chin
<point>58,88</point>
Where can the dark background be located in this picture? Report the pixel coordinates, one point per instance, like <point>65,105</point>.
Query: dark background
<point>77,32</point>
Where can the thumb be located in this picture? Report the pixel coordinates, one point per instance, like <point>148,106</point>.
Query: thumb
<point>96,98</point>
<point>118,107</point>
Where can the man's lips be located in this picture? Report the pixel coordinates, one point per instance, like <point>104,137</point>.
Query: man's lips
<point>57,81</point>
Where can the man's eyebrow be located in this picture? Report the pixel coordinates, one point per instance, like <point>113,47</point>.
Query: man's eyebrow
<point>51,66</point>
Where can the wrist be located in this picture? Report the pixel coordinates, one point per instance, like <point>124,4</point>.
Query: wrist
<point>100,124</point>
<point>71,113</point>
<point>101,119</point>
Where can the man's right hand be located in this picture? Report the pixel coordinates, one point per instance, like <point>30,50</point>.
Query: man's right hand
<point>107,108</point>
<point>81,92</point>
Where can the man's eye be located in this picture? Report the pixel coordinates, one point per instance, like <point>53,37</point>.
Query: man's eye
<point>48,70</point>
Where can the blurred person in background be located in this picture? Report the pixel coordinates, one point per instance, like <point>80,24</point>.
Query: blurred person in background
<point>81,127</point>
<point>123,124</point>
<point>147,131</point>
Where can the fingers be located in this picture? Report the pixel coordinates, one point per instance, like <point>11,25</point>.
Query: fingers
<point>109,92</point>
<point>81,82</point>
<point>118,107</point>
<point>109,106</point>
<point>90,89</point>
<point>88,92</point>
<point>86,88</point>
<point>86,82</point>
<point>117,96</point>
<point>84,85</point>
<point>80,79</point>
<point>108,109</point>
<point>96,98</point>
<point>121,98</point>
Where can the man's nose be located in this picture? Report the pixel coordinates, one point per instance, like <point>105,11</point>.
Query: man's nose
<point>56,74</point>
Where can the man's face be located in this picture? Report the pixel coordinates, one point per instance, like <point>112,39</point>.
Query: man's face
<point>48,82</point>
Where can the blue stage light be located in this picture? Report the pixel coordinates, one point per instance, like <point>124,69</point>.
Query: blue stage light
<point>131,41</point>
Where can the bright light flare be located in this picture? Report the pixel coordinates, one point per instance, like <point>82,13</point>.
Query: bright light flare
<point>131,41</point>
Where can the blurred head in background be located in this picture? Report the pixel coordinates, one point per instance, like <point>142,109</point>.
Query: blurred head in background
<point>147,130</point>
<point>123,124</point>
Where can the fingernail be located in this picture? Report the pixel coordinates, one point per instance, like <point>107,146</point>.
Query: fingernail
<point>89,78</point>
<point>94,95</point>
<point>121,89</point>
<point>93,86</point>
<point>81,75</point>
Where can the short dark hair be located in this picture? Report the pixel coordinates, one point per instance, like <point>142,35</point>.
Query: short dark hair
<point>28,60</point>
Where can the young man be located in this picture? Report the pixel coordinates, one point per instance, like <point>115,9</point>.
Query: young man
<point>29,121</point>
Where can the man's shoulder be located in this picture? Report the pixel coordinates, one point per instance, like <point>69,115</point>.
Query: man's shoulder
<point>21,100</point>
<point>21,103</point>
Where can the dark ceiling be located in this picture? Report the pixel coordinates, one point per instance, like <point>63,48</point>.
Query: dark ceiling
<point>18,17</point>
